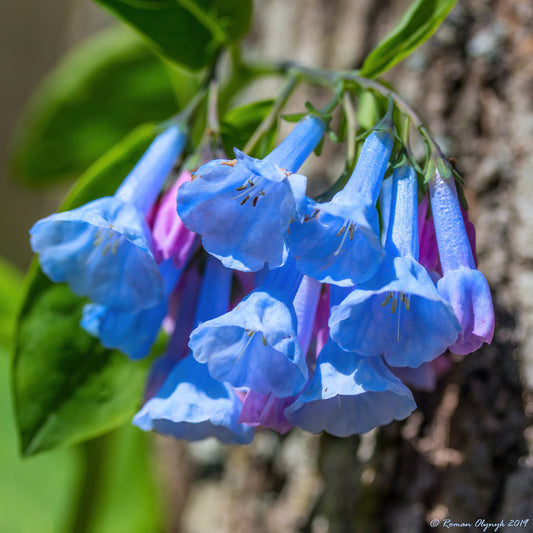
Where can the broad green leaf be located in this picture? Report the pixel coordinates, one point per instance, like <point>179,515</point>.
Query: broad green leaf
<point>95,96</point>
<point>239,123</point>
<point>67,387</point>
<point>36,494</point>
<point>10,293</point>
<point>416,26</point>
<point>188,32</point>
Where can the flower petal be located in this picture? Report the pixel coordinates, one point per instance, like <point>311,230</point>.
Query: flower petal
<point>349,394</point>
<point>102,250</point>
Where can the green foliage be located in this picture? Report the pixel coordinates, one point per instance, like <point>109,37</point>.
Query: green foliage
<point>94,97</point>
<point>116,493</point>
<point>36,494</point>
<point>416,26</point>
<point>119,493</point>
<point>239,124</point>
<point>67,387</point>
<point>10,292</point>
<point>188,32</point>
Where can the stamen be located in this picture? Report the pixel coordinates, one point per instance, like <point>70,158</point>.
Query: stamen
<point>405,300</point>
<point>251,183</point>
<point>388,296</point>
<point>251,335</point>
<point>264,340</point>
<point>244,201</point>
<point>341,231</point>
<point>254,201</point>
<point>231,163</point>
<point>98,238</point>
<point>394,305</point>
<point>351,228</point>
<point>115,246</point>
<point>262,193</point>
<point>242,187</point>
<point>106,249</point>
<point>337,251</point>
<point>315,213</point>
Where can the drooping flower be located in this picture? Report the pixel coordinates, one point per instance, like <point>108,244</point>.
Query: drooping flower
<point>349,393</point>
<point>338,241</point>
<point>102,249</point>
<point>242,207</point>
<point>462,285</point>
<point>265,409</point>
<point>131,333</point>
<point>398,313</point>
<point>173,244</point>
<point>429,251</point>
<point>191,404</point>
<point>255,345</point>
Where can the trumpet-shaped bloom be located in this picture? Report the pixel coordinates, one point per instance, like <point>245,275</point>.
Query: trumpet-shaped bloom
<point>242,207</point>
<point>191,404</point>
<point>131,333</point>
<point>338,241</point>
<point>265,409</point>
<point>255,345</point>
<point>134,333</point>
<point>103,249</point>
<point>398,313</point>
<point>429,252</point>
<point>349,394</point>
<point>462,285</point>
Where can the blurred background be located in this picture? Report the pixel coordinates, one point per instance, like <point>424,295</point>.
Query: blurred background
<point>465,454</point>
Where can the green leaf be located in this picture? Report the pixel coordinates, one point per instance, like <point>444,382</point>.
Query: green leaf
<point>36,494</point>
<point>189,32</point>
<point>417,25</point>
<point>95,96</point>
<point>10,294</point>
<point>67,387</point>
<point>239,123</point>
<point>293,117</point>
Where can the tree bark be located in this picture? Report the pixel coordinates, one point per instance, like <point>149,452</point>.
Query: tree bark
<point>466,454</point>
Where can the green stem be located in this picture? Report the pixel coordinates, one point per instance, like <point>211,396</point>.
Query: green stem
<point>349,113</point>
<point>272,116</point>
<point>94,452</point>
<point>213,122</point>
<point>325,77</point>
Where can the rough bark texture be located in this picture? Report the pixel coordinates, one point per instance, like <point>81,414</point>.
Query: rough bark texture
<point>467,452</point>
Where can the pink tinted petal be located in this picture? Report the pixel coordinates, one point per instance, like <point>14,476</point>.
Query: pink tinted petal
<point>266,410</point>
<point>428,251</point>
<point>470,233</point>
<point>320,327</point>
<point>171,239</point>
<point>468,293</point>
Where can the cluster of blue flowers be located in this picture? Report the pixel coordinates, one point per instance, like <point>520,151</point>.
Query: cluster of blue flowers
<point>301,313</point>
